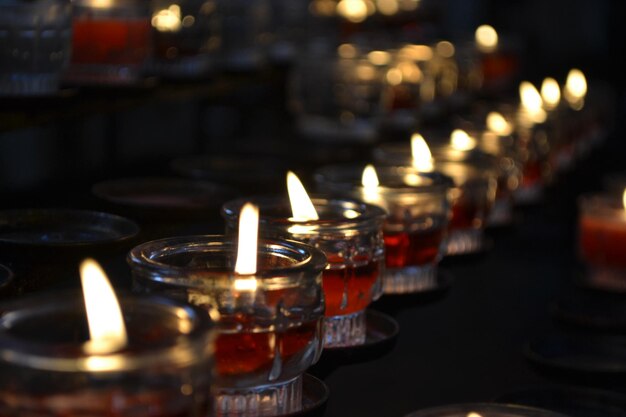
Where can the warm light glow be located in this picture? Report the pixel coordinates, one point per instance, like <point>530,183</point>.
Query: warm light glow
<point>532,103</point>
<point>365,72</point>
<point>101,4</point>
<point>379,57</point>
<point>445,49</point>
<point>388,7</point>
<point>497,124</point>
<point>394,76</point>
<point>530,97</point>
<point>107,332</point>
<point>369,179</point>
<point>301,205</point>
<point>472,414</point>
<point>167,20</point>
<point>346,51</point>
<point>550,93</point>
<point>248,240</point>
<point>410,72</point>
<point>355,11</point>
<point>624,198</point>
<point>486,38</point>
<point>461,141</point>
<point>422,157</point>
<point>576,84</point>
<point>416,52</point>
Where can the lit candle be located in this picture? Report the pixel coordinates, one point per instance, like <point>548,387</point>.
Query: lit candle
<point>138,353</point>
<point>348,232</point>
<point>417,206</point>
<point>266,297</point>
<point>111,41</point>
<point>484,410</point>
<point>576,89</point>
<point>602,239</point>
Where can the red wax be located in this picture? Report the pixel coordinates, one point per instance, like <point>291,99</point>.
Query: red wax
<point>532,173</point>
<point>248,351</point>
<point>603,241</point>
<point>412,248</point>
<point>356,281</point>
<point>401,97</point>
<point>110,41</point>
<point>498,66</point>
<point>464,215</point>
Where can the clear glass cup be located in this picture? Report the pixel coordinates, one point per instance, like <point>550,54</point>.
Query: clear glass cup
<point>602,240</point>
<point>111,41</point>
<point>415,228</point>
<point>186,38</point>
<point>268,334</point>
<point>337,95</point>
<point>35,45</point>
<point>349,232</point>
<point>245,33</point>
<point>166,366</point>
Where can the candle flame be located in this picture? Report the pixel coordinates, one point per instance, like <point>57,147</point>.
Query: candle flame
<point>461,141</point>
<point>369,179</point>
<point>486,38</point>
<point>247,246</point>
<point>624,198</point>
<point>550,93</point>
<point>576,84</point>
<point>379,57</point>
<point>355,11</point>
<point>107,332</point>
<point>301,205</point>
<point>497,124</point>
<point>473,414</point>
<point>532,102</point>
<point>167,20</point>
<point>101,4</point>
<point>422,157</point>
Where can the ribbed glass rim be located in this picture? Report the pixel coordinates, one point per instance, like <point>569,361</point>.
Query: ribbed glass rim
<point>182,350</point>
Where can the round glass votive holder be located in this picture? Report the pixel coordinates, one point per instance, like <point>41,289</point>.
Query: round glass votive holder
<point>46,368</point>
<point>415,228</point>
<point>35,45</point>
<point>484,410</point>
<point>338,96</point>
<point>602,240</point>
<point>111,42</point>
<point>269,324</point>
<point>349,232</point>
<point>473,196</point>
<point>185,37</point>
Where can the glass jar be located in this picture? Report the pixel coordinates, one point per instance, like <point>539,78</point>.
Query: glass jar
<point>415,228</point>
<point>35,42</point>
<point>349,232</point>
<point>165,367</point>
<point>111,41</point>
<point>269,324</point>
<point>186,37</point>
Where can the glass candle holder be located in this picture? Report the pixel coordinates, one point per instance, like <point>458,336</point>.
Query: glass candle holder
<point>268,334</point>
<point>415,228</point>
<point>484,410</point>
<point>111,41</point>
<point>602,240</point>
<point>186,38</point>
<point>337,95</point>
<point>349,232</point>
<point>35,39</point>
<point>473,194</point>
<point>245,37</point>
<point>164,370</point>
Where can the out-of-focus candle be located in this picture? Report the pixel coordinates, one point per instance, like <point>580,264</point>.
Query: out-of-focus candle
<point>575,89</point>
<point>550,93</point>
<point>602,239</point>
<point>486,38</point>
